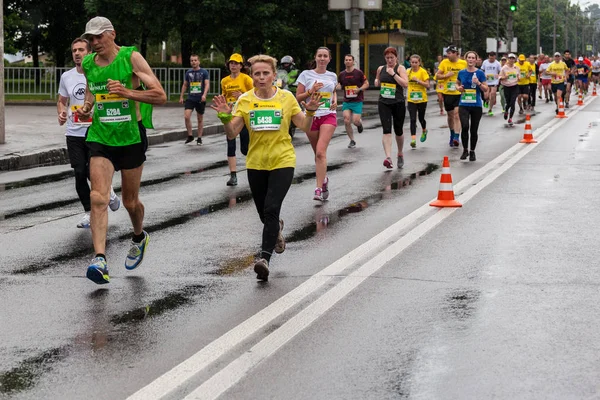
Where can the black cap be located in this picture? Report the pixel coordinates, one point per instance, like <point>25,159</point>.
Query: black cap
<point>452,48</point>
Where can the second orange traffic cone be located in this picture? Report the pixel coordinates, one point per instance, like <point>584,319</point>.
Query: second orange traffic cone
<point>561,109</point>
<point>580,99</point>
<point>446,192</point>
<point>594,92</point>
<point>528,134</point>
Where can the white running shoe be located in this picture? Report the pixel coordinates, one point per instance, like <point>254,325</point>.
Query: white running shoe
<point>115,201</point>
<point>85,221</point>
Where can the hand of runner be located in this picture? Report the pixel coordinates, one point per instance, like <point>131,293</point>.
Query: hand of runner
<point>314,102</point>
<point>390,70</point>
<point>333,106</point>
<point>62,118</point>
<point>115,87</point>
<point>236,94</point>
<point>181,100</point>
<point>317,86</point>
<point>83,114</point>
<point>475,80</point>
<point>220,105</point>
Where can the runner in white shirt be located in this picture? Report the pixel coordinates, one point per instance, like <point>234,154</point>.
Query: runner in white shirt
<point>595,70</point>
<point>325,120</point>
<point>491,68</point>
<point>71,95</point>
<point>546,79</point>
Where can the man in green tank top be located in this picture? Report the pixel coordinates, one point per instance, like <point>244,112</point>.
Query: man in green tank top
<point>117,138</point>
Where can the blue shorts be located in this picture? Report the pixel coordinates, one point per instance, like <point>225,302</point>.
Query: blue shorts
<point>583,79</point>
<point>354,106</point>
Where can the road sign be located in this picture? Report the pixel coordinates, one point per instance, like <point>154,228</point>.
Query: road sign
<point>588,47</point>
<point>362,4</point>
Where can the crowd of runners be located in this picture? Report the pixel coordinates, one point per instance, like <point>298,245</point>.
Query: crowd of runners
<point>105,102</point>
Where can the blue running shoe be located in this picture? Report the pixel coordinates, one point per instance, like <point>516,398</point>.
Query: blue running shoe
<point>136,253</point>
<point>97,272</point>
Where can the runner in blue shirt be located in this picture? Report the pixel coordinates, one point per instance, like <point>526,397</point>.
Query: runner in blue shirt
<point>471,83</point>
<point>195,84</point>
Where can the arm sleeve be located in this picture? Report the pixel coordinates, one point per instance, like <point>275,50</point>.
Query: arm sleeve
<point>239,107</point>
<point>302,79</point>
<point>62,88</point>
<point>249,83</point>
<point>294,104</point>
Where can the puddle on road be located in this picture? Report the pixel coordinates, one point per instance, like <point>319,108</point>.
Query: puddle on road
<point>27,372</point>
<point>63,203</point>
<point>169,302</point>
<point>323,220</point>
<point>39,180</point>
<point>460,304</point>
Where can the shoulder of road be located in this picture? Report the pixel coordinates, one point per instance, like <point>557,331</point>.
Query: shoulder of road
<point>34,138</point>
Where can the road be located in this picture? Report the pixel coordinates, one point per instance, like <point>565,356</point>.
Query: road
<point>377,295</point>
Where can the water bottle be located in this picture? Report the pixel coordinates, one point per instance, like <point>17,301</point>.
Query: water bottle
<point>473,85</point>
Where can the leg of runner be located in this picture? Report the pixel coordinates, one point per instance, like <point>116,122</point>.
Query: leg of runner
<point>464,134</point>
<point>348,124</point>
<point>412,112</point>
<point>385,116</point>
<point>532,89</point>
<point>357,121</point>
<point>101,173</point>
<point>231,160</point>
<point>440,97</point>
<point>421,109</point>
<point>511,93</point>
<point>476,114</point>
<point>269,189</point>
<point>502,98</point>
<point>399,113</point>
<point>200,117</point>
<point>187,116</point>
<point>319,141</point>
<point>79,157</point>
<point>457,129</point>
<point>492,100</point>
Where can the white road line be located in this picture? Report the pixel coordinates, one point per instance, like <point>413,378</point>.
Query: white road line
<point>177,376</point>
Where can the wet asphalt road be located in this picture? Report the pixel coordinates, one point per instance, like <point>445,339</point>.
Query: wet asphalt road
<point>498,299</point>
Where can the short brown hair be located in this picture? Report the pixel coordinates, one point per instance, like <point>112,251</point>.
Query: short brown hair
<point>390,50</point>
<point>264,59</point>
<point>82,40</point>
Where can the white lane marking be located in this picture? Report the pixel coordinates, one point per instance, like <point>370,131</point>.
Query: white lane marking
<point>178,375</point>
<point>239,368</point>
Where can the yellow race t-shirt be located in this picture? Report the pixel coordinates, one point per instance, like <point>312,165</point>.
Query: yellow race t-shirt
<point>268,122</point>
<point>523,71</point>
<point>450,83</point>
<point>533,77</point>
<point>241,83</point>
<point>417,93</point>
<point>560,69</point>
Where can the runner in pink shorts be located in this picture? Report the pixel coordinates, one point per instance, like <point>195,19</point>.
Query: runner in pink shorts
<point>320,80</point>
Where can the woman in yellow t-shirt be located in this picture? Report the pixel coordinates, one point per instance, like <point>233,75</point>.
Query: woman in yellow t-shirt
<point>418,83</point>
<point>267,113</point>
<point>232,87</point>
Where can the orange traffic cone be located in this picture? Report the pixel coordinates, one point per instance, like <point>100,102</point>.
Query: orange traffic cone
<point>594,92</point>
<point>528,135</point>
<point>580,99</point>
<point>561,109</point>
<point>446,192</point>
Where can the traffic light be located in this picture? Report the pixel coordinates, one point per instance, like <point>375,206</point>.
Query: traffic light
<point>513,5</point>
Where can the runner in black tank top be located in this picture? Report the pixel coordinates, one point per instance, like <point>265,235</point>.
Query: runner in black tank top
<point>392,79</point>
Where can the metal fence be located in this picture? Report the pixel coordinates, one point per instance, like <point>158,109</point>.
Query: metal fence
<point>44,81</point>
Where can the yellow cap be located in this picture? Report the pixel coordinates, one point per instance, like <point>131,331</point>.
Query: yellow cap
<point>521,57</point>
<point>236,57</point>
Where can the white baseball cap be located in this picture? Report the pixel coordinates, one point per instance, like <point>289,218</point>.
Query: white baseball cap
<point>97,26</point>
<point>580,59</point>
<point>512,55</point>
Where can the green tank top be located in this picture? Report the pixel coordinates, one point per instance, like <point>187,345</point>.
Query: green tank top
<point>115,121</point>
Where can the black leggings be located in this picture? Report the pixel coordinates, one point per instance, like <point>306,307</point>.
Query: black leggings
<point>79,155</point>
<point>532,94</point>
<point>244,140</point>
<point>474,114</point>
<point>397,111</point>
<point>268,190</point>
<point>511,93</point>
<point>413,110</point>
